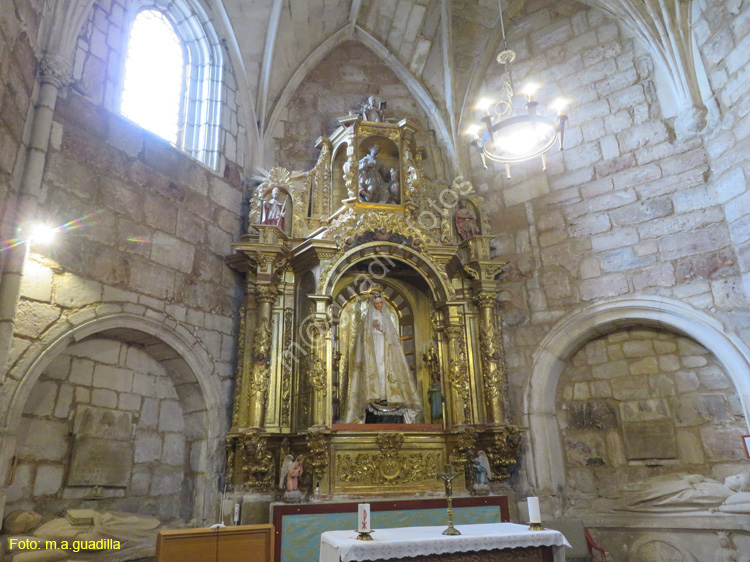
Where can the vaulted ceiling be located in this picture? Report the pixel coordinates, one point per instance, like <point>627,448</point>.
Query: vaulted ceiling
<point>440,49</point>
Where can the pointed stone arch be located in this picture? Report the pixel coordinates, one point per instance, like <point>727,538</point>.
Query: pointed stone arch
<point>546,466</point>
<point>356,33</point>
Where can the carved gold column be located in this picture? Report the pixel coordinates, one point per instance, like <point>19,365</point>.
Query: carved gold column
<point>492,356</point>
<point>257,362</point>
<point>458,383</point>
<point>319,368</point>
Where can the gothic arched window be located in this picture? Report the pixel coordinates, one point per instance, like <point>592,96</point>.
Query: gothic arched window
<point>153,87</point>
<point>172,76</point>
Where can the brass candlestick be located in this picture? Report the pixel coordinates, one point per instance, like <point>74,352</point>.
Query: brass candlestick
<point>536,526</point>
<point>449,475</point>
<point>364,535</point>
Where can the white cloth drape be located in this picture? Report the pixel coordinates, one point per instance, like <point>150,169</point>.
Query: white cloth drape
<point>405,542</point>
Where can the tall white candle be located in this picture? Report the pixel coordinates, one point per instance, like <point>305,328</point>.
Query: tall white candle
<point>363,517</point>
<point>236,513</point>
<point>535,515</point>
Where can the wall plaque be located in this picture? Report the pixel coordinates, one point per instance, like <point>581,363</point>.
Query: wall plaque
<point>102,448</point>
<point>648,430</point>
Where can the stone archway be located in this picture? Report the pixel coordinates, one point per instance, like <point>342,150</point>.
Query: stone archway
<point>546,469</point>
<point>189,367</point>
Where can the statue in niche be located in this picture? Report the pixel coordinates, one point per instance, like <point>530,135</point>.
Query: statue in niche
<point>466,221</point>
<point>373,111</point>
<point>376,181</point>
<point>482,472</point>
<point>274,212</point>
<point>291,471</point>
<point>380,381</point>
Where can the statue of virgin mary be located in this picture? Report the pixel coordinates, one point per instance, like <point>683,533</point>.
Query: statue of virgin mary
<point>379,376</point>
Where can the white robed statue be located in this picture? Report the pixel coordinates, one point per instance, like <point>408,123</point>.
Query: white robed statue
<point>379,376</point>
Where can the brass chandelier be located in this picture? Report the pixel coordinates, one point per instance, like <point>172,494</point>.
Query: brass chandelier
<point>512,136</point>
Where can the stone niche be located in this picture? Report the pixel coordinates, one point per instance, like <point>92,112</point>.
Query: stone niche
<point>103,428</point>
<point>642,402</point>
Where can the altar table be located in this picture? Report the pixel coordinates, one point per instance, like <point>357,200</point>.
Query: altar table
<point>497,541</point>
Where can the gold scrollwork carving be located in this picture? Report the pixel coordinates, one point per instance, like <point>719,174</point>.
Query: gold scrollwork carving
<point>261,359</point>
<point>266,293</point>
<point>319,377</point>
<point>368,131</point>
<point>258,468</point>
<point>492,355</point>
<point>466,443</point>
<point>317,444</point>
<point>286,371</point>
<point>238,392</point>
<point>458,368</point>
<point>504,451</point>
<point>389,466</point>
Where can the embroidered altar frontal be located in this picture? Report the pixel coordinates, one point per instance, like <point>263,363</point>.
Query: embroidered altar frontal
<point>298,527</point>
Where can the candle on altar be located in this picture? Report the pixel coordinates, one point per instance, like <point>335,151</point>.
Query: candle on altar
<point>363,518</point>
<point>535,515</point>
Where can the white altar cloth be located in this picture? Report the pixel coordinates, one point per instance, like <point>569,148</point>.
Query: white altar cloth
<point>342,546</point>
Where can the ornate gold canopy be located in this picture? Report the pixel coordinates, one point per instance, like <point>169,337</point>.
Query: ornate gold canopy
<point>365,215</point>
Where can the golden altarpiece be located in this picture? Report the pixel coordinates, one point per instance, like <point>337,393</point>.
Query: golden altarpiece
<point>365,221</point>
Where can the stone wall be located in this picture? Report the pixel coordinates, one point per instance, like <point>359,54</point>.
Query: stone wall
<point>19,21</point>
<point>640,403</point>
<point>148,230</point>
<point>721,32</point>
<point>340,83</point>
<point>628,208</point>
<point>116,377</point>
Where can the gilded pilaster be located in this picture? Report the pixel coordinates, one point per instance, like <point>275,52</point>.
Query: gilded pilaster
<point>492,356</point>
<point>255,383</point>
<point>458,375</point>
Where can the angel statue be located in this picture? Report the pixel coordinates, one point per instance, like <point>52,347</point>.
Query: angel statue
<point>291,470</point>
<point>480,467</point>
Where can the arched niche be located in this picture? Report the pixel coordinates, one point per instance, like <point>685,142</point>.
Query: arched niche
<point>381,258</point>
<point>286,201</point>
<point>390,157</point>
<point>338,190</point>
<point>407,295</point>
<point>546,469</point>
<point>193,385</point>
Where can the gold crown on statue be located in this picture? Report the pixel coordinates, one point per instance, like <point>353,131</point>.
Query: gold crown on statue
<point>375,291</point>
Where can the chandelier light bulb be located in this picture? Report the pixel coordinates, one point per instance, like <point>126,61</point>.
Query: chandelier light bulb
<point>560,104</point>
<point>484,104</point>
<point>473,130</point>
<point>530,89</point>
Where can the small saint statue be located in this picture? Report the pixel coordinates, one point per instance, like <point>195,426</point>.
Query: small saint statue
<point>373,111</point>
<point>274,212</point>
<point>480,468</point>
<point>291,470</point>
<point>466,221</point>
<point>376,181</point>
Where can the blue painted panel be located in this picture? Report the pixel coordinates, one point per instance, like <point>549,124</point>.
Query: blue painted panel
<point>301,533</point>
